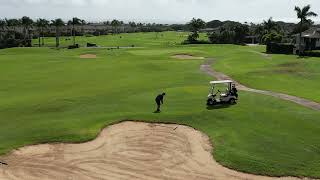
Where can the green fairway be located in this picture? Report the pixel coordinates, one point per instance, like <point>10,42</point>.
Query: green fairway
<point>50,95</point>
<point>125,40</point>
<point>280,73</point>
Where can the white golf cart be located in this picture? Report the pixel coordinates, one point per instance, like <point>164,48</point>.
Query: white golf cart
<point>230,96</point>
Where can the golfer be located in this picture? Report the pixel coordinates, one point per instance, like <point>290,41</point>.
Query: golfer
<point>159,101</point>
<point>234,91</point>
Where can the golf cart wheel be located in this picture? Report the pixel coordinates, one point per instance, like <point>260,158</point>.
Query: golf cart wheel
<point>232,101</point>
<point>210,102</point>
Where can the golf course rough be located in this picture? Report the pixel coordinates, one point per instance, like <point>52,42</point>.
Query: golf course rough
<point>129,150</point>
<point>51,95</point>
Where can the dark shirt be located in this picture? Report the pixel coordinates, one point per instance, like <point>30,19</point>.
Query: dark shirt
<point>235,90</point>
<point>159,98</point>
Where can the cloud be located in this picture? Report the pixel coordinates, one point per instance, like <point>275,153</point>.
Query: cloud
<point>157,10</point>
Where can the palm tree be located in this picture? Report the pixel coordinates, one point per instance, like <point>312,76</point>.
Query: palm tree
<point>45,24</point>
<point>75,21</point>
<point>11,26</point>
<point>57,23</point>
<point>27,24</point>
<point>270,25</point>
<point>41,25</point>
<point>303,15</point>
<point>3,25</point>
<point>82,22</point>
<point>259,31</point>
<point>115,23</point>
<point>133,26</point>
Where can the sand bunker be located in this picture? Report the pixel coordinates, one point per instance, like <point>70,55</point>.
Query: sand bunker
<point>88,56</point>
<point>129,150</point>
<point>186,56</point>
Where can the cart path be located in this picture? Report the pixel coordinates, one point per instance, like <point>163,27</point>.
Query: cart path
<point>207,68</point>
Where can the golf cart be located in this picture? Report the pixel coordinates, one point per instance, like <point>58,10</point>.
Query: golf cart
<point>228,97</point>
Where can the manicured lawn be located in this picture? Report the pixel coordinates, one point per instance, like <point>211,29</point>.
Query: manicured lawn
<point>49,95</point>
<point>281,73</point>
<point>126,40</point>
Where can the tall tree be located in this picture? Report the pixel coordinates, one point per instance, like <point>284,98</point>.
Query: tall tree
<point>240,33</point>
<point>45,25</point>
<point>3,26</point>
<point>270,25</point>
<point>115,24</point>
<point>74,22</point>
<point>106,23</point>
<point>39,27</point>
<point>259,31</point>
<point>303,14</point>
<point>83,23</point>
<point>12,24</point>
<point>133,26</point>
<point>41,24</point>
<point>195,26</point>
<point>27,23</point>
<point>57,23</point>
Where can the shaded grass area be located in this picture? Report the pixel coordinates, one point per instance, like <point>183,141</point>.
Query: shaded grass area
<point>50,95</point>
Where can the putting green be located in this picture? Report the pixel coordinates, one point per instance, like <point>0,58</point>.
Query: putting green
<point>50,95</point>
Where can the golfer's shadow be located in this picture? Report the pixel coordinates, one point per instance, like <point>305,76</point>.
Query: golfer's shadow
<point>218,106</point>
<point>3,163</point>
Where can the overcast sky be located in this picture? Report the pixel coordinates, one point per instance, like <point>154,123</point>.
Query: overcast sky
<point>162,11</point>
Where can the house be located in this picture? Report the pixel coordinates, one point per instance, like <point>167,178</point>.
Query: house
<point>310,40</point>
<point>210,30</point>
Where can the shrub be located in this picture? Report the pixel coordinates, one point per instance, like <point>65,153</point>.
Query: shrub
<point>73,46</point>
<point>91,45</point>
<point>311,53</point>
<point>89,35</point>
<point>278,48</point>
<point>195,42</point>
<point>272,37</point>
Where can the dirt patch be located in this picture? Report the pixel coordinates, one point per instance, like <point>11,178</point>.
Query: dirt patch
<point>88,56</point>
<point>186,56</point>
<point>129,150</point>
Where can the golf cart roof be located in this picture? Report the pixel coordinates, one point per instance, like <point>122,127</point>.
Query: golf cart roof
<point>221,82</point>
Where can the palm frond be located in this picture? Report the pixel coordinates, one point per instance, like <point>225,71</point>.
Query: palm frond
<point>306,9</point>
<point>297,9</point>
<point>310,14</point>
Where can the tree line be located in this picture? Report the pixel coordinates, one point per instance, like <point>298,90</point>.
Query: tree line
<point>17,32</point>
<point>20,32</point>
<point>230,32</point>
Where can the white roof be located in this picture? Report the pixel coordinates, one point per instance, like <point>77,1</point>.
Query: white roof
<point>221,82</point>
